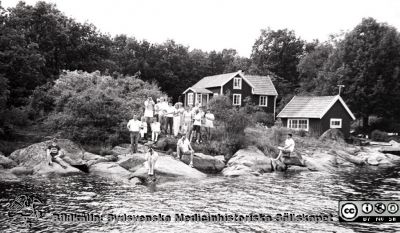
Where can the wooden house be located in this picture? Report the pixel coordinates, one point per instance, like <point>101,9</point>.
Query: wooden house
<point>316,114</point>
<point>260,89</point>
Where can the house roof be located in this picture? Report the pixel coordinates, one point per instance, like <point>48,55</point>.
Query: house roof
<point>262,85</point>
<point>198,90</point>
<point>311,107</point>
<point>215,80</point>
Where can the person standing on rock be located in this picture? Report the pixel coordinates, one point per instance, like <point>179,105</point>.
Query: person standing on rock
<point>155,130</point>
<point>151,159</point>
<point>134,128</point>
<point>288,148</point>
<point>187,122</point>
<point>196,126</point>
<point>157,110</point>
<point>170,111</point>
<point>54,154</point>
<point>183,147</point>
<point>149,111</point>
<point>209,123</point>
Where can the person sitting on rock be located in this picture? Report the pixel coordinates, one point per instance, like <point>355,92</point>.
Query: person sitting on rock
<point>288,148</point>
<point>54,154</point>
<point>151,159</point>
<point>183,147</point>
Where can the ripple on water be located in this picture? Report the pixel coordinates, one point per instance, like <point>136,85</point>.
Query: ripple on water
<point>290,192</point>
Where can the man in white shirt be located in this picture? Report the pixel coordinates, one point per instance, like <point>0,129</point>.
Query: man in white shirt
<point>288,148</point>
<point>134,128</point>
<point>183,147</point>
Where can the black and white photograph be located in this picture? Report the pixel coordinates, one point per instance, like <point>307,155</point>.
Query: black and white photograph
<point>178,116</point>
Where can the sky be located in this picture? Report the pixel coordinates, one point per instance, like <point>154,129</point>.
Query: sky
<point>218,24</point>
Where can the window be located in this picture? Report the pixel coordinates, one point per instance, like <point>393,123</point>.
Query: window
<point>216,94</point>
<point>336,123</point>
<point>199,98</point>
<point>237,99</point>
<point>190,98</point>
<point>298,124</point>
<point>263,101</point>
<point>237,83</point>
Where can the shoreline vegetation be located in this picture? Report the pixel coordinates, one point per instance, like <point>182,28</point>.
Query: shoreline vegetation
<point>61,78</point>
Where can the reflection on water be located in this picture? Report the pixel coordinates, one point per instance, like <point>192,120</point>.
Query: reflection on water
<point>290,192</point>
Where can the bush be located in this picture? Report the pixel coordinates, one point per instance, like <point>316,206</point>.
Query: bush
<point>263,118</point>
<point>278,135</point>
<point>301,133</point>
<point>379,136</point>
<point>91,108</point>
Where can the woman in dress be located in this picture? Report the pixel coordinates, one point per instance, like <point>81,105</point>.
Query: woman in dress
<point>177,120</point>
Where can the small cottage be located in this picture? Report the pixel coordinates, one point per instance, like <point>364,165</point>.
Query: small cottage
<point>260,89</point>
<point>316,114</point>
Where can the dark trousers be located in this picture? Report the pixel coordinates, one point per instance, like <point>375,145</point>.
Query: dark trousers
<point>170,124</point>
<point>134,141</point>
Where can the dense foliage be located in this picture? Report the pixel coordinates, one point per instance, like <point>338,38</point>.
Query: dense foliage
<point>91,108</point>
<point>38,42</point>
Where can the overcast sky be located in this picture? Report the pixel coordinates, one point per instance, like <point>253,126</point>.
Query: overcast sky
<point>218,24</point>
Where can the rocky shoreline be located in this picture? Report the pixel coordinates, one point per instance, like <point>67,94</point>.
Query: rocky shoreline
<point>129,168</point>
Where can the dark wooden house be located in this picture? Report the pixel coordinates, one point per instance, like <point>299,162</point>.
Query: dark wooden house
<point>316,114</point>
<point>260,89</point>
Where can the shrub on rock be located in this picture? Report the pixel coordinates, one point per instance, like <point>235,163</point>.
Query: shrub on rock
<point>332,134</point>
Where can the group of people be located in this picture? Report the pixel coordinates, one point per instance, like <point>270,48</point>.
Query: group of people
<point>184,147</point>
<point>161,117</point>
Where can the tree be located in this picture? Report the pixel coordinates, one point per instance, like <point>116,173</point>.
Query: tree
<point>310,66</point>
<point>367,62</point>
<point>278,52</point>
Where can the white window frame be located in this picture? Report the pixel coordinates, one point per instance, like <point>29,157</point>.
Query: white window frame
<point>240,99</point>
<point>199,100</point>
<point>239,82</point>
<point>215,94</point>
<point>190,99</point>
<point>336,120</point>
<point>290,122</point>
<point>266,101</point>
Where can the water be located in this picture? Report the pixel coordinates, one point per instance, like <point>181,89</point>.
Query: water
<point>291,192</point>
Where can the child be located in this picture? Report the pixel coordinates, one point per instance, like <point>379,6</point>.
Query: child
<point>151,158</point>
<point>143,128</point>
<point>156,129</point>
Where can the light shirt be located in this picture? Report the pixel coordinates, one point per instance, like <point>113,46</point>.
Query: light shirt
<point>197,119</point>
<point>210,120</point>
<point>163,107</point>
<point>187,116</point>
<point>289,144</point>
<point>170,111</point>
<point>155,127</point>
<point>184,144</point>
<point>157,108</point>
<point>134,125</point>
<point>149,107</point>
